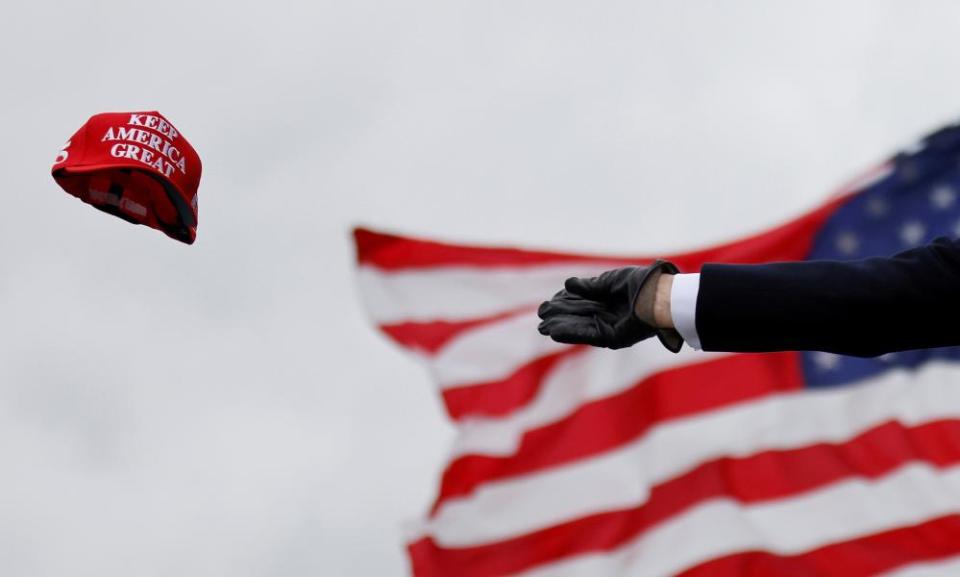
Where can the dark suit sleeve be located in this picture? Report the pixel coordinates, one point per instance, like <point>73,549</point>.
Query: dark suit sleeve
<point>864,308</point>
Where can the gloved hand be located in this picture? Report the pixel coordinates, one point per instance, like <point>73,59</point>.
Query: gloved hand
<point>602,311</point>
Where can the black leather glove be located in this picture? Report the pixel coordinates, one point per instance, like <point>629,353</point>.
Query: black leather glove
<point>602,311</point>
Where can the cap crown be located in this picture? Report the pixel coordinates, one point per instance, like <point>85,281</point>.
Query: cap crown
<point>137,166</point>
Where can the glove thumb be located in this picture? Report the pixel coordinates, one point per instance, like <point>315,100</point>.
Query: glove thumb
<point>588,288</point>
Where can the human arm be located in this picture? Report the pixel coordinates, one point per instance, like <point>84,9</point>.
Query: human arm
<point>865,307</point>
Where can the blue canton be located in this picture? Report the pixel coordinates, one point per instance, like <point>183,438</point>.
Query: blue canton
<point>919,200</point>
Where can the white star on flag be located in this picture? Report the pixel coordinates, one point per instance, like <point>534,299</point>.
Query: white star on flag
<point>848,243</point>
<point>912,232</point>
<point>877,207</point>
<point>826,361</point>
<point>943,197</point>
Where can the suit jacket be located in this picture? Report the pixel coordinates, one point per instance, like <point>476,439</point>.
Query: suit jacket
<point>864,308</point>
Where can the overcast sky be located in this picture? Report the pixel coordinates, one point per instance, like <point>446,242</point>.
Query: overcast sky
<point>225,408</point>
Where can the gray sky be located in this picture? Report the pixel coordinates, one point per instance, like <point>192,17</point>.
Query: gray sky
<point>225,409</point>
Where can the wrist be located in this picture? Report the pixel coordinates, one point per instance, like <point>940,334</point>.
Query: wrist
<point>652,305</point>
<point>662,315</point>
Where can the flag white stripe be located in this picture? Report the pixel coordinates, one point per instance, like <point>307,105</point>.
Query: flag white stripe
<point>840,512</point>
<point>621,478</point>
<point>589,376</point>
<point>463,292</point>
<point>491,352</point>
<point>942,568</point>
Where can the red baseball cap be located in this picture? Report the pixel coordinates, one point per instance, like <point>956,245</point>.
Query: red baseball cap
<point>137,166</point>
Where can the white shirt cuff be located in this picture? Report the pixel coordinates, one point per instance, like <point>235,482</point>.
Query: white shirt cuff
<point>683,307</point>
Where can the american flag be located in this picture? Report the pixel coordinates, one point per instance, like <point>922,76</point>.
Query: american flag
<point>576,461</point>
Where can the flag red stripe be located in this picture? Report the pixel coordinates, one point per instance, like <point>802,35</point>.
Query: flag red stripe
<point>499,398</point>
<point>932,540</point>
<point>430,337</point>
<point>765,476</point>
<point>612,421</point>
<point>393,252</point>
<point>790,241</point>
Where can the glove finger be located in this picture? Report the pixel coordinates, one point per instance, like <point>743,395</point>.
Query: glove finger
<point>572,305</point>
<point>573,329</point>
<point>587,287</point>
<point>599,288</point>
<point>551,322</point>
<point>543,310</point>
<point>576,306</point>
